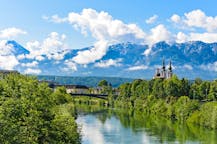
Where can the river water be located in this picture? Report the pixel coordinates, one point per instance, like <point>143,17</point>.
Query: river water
<point>109,126</point>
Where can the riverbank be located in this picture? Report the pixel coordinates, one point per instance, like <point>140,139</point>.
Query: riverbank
<point>112,125</point>
<point>182,109</point>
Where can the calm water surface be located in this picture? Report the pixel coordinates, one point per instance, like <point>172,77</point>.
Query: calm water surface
<point>120,127</point>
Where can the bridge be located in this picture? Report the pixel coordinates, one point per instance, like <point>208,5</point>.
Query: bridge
<point>101,96</point>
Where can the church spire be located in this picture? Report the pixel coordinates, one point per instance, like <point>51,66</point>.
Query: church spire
<point>170,66</point>
<point>163,65</point>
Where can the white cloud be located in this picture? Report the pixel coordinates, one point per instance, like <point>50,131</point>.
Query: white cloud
<point>90,56</point>
<point>210,66</point>
<point>5,49</point>
<point>7,59</point>
<point>187,66</point>
<point>159,33</point>
<point>104,28</point>
<point>175,18</point>
<point>151,19</point>
<point>31,64</point>
<point>70,65</point>
<point>136,68</point>
<point>108,63</point>
<point>205,37</point>
<point>8,62</point>
<point>181,37</point>
<point>57,19</point>
<point>11,32</point>
<point>53,47</point>
<point>196,19</point>
<point>32,71</point>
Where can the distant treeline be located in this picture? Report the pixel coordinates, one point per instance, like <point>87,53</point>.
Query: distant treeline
<point>183,100</point>
<point>160,88</point>
<point>87,81</point>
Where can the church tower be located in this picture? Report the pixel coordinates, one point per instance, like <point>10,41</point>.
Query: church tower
<point>163,72</point>
<point>170,71</point>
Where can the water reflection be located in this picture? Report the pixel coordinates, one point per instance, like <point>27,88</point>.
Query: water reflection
<point>101,126</point>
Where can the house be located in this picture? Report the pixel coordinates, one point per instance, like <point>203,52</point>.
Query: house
<point>75,89</point>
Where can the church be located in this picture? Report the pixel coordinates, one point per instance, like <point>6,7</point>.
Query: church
<point>164,73</point>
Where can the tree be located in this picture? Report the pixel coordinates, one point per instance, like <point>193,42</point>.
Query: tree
<point>172,86</point>
<point>158,88</point>
<point>213,91</point>
<point>26,112</point>
<point>106,88</point>
<point>103,83</point>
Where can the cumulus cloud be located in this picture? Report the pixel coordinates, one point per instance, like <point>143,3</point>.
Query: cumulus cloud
<point>196,19</point>
<point>108,63</point>
<point>5,49</point>
<point>70,65</point>
<point>159,33</point>
<point>187,66</point>
<point>210,66</point>
<point>205,37</point>
<point>136,68</point>
<point>7,59</point>
<point>175,18</point>
<point>90,56</point>
<point>11,32</point>
<point>8,62</point>
<point>181,37</point>
<point>151,19</point>
<point>104,28</point>
<point>52,47</point>
<point>31,64</point>
<point>32,71</point>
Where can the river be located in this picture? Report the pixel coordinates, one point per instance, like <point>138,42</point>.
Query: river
<point>109,126</point>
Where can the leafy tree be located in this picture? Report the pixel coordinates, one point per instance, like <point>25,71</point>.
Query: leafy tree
<point>26,112</point>
<point>213,91</point>
<point>103,83</point>
<point>158,88</point>
<point>172,86</point>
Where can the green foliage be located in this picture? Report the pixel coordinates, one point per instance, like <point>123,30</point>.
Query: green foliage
<point>166,98</point>
<point>172,87</point>
<point>60,96</point>
<point>206,116</point>
<point>103,83</point>
<point>26,112</point>
<point>184,107</point>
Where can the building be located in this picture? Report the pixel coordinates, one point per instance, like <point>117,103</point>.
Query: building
<point>75,89</point>
<point>164,73</point>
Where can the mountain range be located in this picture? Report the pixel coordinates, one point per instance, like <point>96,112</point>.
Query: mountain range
<point>190,60</point>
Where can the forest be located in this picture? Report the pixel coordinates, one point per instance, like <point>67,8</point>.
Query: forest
<point>31,112</point>
<point>182,100</point>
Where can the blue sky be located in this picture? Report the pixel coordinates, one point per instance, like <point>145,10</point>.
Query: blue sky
<point>27,15</point>
<point>48,28</point>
